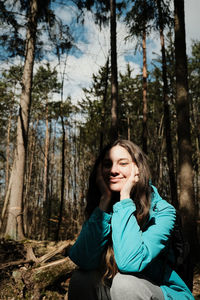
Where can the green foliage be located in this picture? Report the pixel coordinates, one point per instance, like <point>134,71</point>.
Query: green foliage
<point>142,16</point>
<point>45,82</point>
<point>95,108</point>
<point>130,99</point>
<point>13,40</point>
<point>9,97</point>
<point>139,17</point>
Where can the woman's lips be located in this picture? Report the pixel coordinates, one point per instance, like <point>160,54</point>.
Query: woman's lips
<point>114,180</point>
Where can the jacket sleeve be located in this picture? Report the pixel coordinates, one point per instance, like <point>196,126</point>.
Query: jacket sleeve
<point>135,249</point>
<point>87,250</point>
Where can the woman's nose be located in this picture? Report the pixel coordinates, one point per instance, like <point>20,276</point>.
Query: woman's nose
<point>114,169</point>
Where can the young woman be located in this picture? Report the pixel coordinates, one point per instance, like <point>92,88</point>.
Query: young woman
<point>121,248</point>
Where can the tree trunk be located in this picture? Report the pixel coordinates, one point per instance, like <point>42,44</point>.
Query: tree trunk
<point>104,106</point>
<point>31,150</point>
<point>114,81</point>
<point>167,118</point>
<point>128,129</point>
<point>144,94</point>
<point>8,152</point>
<point>185,171</point>
<point>46,172</point>
<point>14,227</point>
<point>62,178</point>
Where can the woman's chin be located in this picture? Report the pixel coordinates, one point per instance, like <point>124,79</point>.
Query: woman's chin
<point>115,187</point>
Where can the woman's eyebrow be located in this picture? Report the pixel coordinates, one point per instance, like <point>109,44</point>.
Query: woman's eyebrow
<point>123,159</point>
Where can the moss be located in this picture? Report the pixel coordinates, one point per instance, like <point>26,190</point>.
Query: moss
<point>9,290</point>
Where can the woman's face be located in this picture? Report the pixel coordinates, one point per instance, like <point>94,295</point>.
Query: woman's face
<point>116,167</point>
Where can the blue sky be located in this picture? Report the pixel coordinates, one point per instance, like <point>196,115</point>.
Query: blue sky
<point>94,46</point>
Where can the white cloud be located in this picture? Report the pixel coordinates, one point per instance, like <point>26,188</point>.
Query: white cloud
<point>94,54</point>
<point>96,48</point>
<point>192,9</point>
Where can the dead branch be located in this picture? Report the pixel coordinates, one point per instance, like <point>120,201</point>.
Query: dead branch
<point>55,263</point>
<point>15,263</point>
<point>30,254</point>
<point>51,254</point>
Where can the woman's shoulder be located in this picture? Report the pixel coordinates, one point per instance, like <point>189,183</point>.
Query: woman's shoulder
<point>157,202</point>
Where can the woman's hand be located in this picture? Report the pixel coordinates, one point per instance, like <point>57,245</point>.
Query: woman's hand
<point>130,183</point>
<point>105,191</point>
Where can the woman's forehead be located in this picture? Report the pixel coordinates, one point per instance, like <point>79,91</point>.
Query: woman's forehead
<point>118,152</point>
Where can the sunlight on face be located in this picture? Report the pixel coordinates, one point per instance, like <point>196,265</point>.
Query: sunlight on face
<point>116,167</point>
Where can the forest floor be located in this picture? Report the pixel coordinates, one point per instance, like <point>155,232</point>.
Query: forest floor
<point>196,282</point>
<point>18,278</point>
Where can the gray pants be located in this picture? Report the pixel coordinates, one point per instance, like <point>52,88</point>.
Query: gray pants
<point>87,285</point>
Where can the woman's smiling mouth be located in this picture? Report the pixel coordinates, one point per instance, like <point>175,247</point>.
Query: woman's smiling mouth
<point>115,179</point>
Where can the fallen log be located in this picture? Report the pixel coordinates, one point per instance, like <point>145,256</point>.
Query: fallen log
<point>38,279</point>
<point>63,248</point>
<point>31,277</point>
<point>31,258</point>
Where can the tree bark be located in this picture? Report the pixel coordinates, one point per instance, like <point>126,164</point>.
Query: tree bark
<point>46,173</point>
<point>8,153</point>
<point>14,227</point>
<point>144,94</point>
<point>27,206</point>
<point>114,81</point>
<point>62,178</point>
<point>167,118</point>
<point>185,171</point>
<point>104,106</point>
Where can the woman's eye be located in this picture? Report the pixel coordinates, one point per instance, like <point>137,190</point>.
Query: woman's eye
<point>124,164</point>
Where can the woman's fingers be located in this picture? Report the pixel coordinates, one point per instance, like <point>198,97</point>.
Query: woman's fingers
<point>130,183</point>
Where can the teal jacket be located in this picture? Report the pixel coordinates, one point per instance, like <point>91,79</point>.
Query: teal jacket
<point>135,250</point>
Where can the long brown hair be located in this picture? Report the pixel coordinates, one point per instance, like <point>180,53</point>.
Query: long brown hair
<point>140,193</point>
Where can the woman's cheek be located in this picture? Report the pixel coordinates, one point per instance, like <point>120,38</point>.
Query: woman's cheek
<point>128,171</point>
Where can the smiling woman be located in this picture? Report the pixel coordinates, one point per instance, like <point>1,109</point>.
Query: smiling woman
<point>121,246</point>
<point>117,167</point>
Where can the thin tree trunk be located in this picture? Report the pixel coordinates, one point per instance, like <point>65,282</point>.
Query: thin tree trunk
<point>5,204</point>
<point>114,81</point>
<point>75,202</point>
<point>159,169</point>
<point>14,227</point>
<point>62,179</point>
<point>167,118</point>
<point>185,171</point>
<point>62,153</point>
<point>28,181</point>
<point>104,105</point>
<point>128,129</point>
<point>46,171</point>
<point>197,175</point>
<point>8,153</point>
<point>144,94</point>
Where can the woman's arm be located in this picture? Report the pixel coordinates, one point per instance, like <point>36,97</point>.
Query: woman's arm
<point>87,250</point>
<point>135,249</point>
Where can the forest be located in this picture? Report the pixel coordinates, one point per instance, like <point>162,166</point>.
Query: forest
<point>50,140</point>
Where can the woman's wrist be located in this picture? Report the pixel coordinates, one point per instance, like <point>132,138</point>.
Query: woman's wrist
<point>124,196</point>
